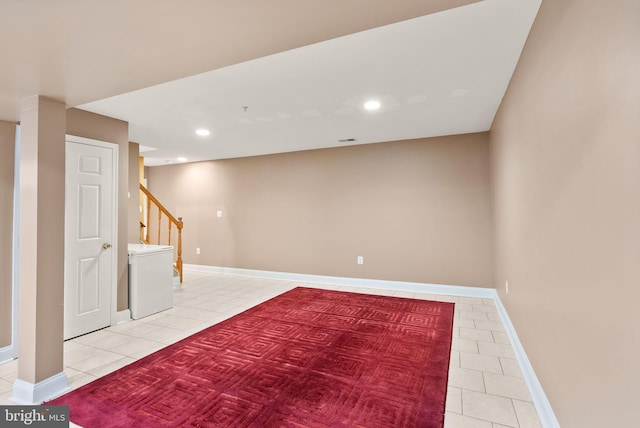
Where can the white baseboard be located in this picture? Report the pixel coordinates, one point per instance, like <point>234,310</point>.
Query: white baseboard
<point>27,393</point>
<point>121,316</point>
<point>8,353</point>
<point>453,290</point>
<point>540,401</point>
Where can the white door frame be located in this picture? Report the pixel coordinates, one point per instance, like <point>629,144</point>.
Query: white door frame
<point>114,217</point>
<point>16,245</point>
<point>11,352</point>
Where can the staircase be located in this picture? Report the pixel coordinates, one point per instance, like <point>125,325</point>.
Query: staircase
<point>151,228</point>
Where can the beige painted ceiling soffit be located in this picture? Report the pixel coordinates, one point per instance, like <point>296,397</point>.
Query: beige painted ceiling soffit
<point>80,52</point>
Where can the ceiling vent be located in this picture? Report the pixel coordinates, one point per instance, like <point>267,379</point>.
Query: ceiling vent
<point>347,140</point>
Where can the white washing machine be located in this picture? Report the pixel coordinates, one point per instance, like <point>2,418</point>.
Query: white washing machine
<point>150,279</point>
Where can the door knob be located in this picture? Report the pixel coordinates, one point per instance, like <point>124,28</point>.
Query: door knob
<point>106,246</point>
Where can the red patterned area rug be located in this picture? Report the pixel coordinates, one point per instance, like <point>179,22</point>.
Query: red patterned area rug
<point>307,358</point>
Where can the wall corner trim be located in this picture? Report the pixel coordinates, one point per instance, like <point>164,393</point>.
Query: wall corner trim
<point>540,401</point>
<point>27,393</point>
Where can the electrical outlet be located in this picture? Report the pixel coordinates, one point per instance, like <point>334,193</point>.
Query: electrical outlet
<point>198,250</point>
<point>506,286</point>
<point>360,260</point>
<point>219,214</point>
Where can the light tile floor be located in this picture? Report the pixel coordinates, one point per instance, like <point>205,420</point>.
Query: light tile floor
<point>485,389</point>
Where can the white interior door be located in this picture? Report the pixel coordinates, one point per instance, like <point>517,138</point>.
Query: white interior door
<point>90,253</point>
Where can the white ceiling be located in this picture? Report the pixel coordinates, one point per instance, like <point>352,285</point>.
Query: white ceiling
<point>440,74</point>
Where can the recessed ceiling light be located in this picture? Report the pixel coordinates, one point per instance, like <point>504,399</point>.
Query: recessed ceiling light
<point>202,132</point>
<point>182,159</point>
<point>372,105</point>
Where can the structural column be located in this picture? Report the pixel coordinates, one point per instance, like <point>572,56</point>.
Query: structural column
<point>41,254</point>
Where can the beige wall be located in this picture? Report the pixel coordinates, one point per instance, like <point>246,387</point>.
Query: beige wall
<point>90,125</point>
<point>133,203</point>
<point>416,210</point>
<point>7,145</point>
<point>566,178</point>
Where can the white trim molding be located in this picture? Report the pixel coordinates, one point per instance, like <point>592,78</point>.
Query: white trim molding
<point>453,290</point>
<point>121,317</point>
<point>8,353</point>
<point>27,393</point>
<point>11,352</point>
<point>540,401</point>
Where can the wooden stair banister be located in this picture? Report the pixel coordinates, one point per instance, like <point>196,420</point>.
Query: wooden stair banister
<point>145,235</point>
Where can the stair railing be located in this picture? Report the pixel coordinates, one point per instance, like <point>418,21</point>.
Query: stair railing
<point>146,229</point>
